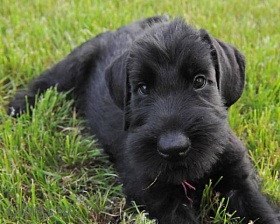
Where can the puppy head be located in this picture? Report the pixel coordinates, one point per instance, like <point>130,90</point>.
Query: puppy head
<point>174,86</point>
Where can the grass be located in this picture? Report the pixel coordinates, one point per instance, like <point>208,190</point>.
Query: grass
<point>50,170</point>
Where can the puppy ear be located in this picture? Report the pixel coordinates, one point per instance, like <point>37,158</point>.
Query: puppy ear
<point>118,85</point>
<point>230,68</point>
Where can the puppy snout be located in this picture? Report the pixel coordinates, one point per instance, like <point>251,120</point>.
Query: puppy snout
<point>173,145</point>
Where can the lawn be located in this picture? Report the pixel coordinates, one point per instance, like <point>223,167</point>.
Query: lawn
<point>50,170</point>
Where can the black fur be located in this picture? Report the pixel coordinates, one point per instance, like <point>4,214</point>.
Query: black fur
<point>140,90</point>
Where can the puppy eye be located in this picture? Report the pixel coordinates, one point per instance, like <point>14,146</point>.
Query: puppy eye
<point>143,89</point>
<point>199,81</point>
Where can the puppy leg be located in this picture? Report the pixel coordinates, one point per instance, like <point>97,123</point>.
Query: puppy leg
<point>169,211</point>
<point>168,204</point>
<point>251,204</point>
<point>241,188</point>
<point>70,73</point>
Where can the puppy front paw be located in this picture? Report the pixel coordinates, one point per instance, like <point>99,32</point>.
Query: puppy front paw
<point>18,105</point>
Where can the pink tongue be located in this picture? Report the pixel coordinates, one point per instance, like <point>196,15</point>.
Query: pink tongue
<point>185,184</point>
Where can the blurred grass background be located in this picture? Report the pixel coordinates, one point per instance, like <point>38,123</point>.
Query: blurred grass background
<point>50,171</point>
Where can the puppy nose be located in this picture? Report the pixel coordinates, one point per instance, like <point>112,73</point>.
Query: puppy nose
<point>173,145</point>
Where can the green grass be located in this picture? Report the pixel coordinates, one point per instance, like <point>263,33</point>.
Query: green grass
<point>50,171</point>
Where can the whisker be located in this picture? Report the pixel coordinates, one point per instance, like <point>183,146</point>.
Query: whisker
<point>152,182</point>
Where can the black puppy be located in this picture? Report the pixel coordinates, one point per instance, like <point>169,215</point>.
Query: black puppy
<point>156,94</point>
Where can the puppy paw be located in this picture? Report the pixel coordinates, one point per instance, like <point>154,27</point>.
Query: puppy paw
<point>18,105</point>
